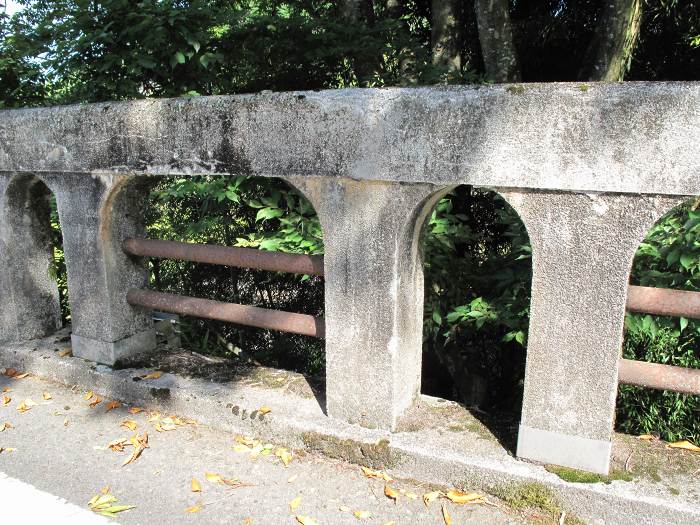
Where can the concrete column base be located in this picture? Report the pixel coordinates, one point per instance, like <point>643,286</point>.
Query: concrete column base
<point>577,452</point>
<point>107,352</point>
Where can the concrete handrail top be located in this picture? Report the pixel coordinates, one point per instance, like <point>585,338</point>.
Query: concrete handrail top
<point>633,137</point>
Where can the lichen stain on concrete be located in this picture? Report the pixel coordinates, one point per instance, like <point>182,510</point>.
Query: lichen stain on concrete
<point>375,455</point>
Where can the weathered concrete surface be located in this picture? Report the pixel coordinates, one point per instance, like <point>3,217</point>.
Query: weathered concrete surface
<point>71,461</point>
<point>617,137</point>
<point>438,443</point>
<point>582,251</point>
<point>29,307</point>
<point>373,294</point>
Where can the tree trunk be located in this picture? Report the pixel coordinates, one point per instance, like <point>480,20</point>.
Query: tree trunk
<point>496,38</point>
<point>616,34</point>
<point>447,33</point>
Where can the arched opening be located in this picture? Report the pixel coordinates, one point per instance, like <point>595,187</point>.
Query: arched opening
<point>239,211</point>
<point>36,291</point>
<point>477,296</point>
<point>668,258</point>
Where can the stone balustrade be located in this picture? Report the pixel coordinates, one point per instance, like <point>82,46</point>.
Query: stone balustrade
<point>589,169</point>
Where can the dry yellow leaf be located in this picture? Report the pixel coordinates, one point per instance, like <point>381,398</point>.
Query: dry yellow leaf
<point>104,490</point>
<point>294,504</point>
<point>685,445</point>
<point>88,395</point>
<point>129,423</point>
<point>96,401</point>
<point>429,497</point>
<point>7,389</point>
<point>241,448</point>
<point>47,396</point>
<point>293,478</point>
<point>247,521</point>
<point>411,495</point>
<point>112,405</point>
<point>446,516</point>
<point>193,508</point>
<point>5,426</point>
<point>65,422</point>
<point>135,410</point>
<point>140,443</point>
<point>118,445</point>
<point>378,474</point>
<point>213,478</point>
<point>305,520</point>
<point>645,437</point>
<point>461,498</point>
<point>195,486</point>
<point>7,449</point>
<point>6,400</point>
<point>264,410</point>
<point>390,493</point>
<point>21,376</point>
<point>284,455</point>
<point>362,514</point>
<point>153,417</point>
<point>25,405</point>
<point>153,375</point>
<point>65,352</point>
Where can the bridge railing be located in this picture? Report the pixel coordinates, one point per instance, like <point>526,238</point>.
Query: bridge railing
<point>588,171</point>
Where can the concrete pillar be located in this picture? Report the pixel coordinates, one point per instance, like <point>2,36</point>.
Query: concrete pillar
<point>582,251</point>
<point>29,304</point>
<point>97,212</point>
<point>373,294</point>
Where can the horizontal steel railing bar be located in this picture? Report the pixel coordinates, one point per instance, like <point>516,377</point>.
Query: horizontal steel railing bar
<point>225,256</point>
<point>230,312</point>
<point>658,376</point>
<point>663,301</point>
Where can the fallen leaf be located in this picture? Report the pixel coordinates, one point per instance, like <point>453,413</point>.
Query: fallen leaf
<point>102,504</point>
<point>135,410</point>
<point>112,405</point>
<point>247,521</point>
<point>264,410</point>
<point>6,400</point>
<point>446,516</point>
<point>378,474</point>
<point>293,478</point>
<point>88,395</point>
<point>65,352</point>
<point>7,389</point>
<point>47,396</point>
<point>129,423</point>
<point>21,376</point>
<point>305,520</point>
<point>685,444</point>
<point>193,508</point>
<point>362,514</point>
<point>153,417</point>
<point>25,405</point>
<point>284,455</point>
<point>461,498</point>
<point>5,426</point>
<point>140,444</point>
<point>213,478</point>
<point>153,375</point>
<point>65,422</point>
<point>118,445</point>
<point>104,490</point>
<point>429,497</point>
<point>294,504</point>
<point>391,493</point>
<point>646,437</point>
<point>195,486</point>
<point>96,401</point>
<point>7,449</point>
<point>11,372</point>
<point>411,495</point>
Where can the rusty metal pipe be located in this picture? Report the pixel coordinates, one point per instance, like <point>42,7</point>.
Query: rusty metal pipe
<point>229,312</point>
<point>662,301</point>
<point>225,256</point>
<point>661,377</point>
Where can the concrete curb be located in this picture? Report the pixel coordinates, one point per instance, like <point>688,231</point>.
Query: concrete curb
<point>441,444</point>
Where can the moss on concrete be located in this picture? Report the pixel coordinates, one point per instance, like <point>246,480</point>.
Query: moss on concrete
<point>516,89</point>
<point>375,455</point>
<point>579,476</point>
<point>535,496</point>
